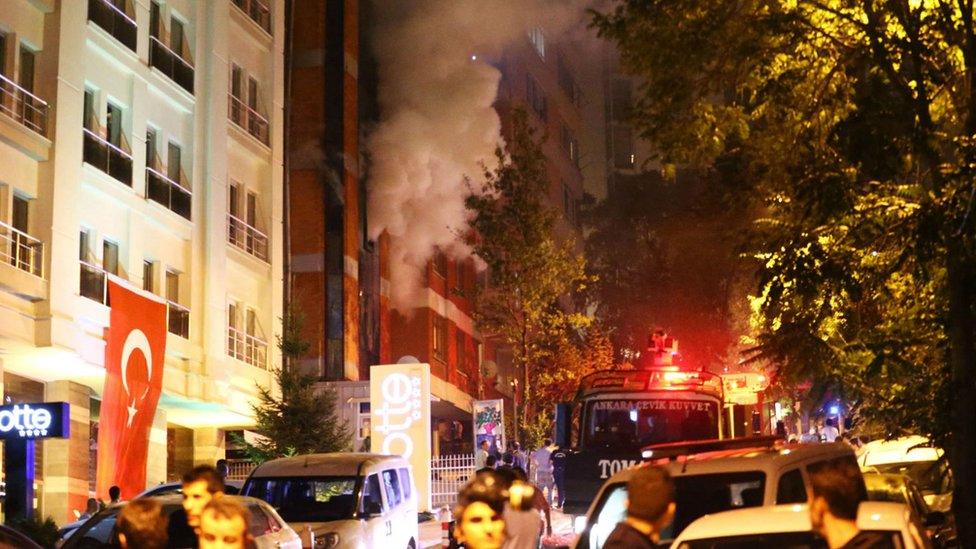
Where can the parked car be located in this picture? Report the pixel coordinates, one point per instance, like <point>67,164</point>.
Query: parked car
<point>232,487</point>
<point>270,531</point>
<point>779,526</point>
<point>712,477</point>
<point>12,539</point>
<point>916,457</point>
<point>940,528</point>
<point>342,499</point>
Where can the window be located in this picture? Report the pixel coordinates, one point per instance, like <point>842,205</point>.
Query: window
<point>440,338</point>
<point>439,264</point>
<point>459,274</point>
<point>174,161</point>
<point>535,96</point>
<point>232,316</point>
<point>251,211</point>
<point>405,483</point>
<point>392,486</point>
<point>571,146</point>
<point>538,40</point>
<point>110,257</point>
<point>568,83</point>
<point>154,11</point>
<point>20,214</point>
<point>791,488</point>
<point>172,286</point>
<point>3,53</point>
<point>177,36</point>
<point>149,276</point>
<point>83,244</point>
<point>250,322</point>
<point>363,421</point>
<point>27,58</point>
<point>234,200</point>
<point>308,499</point>
<point>623,147</point>
<point>252,93</point>
<point>89,111</point>
<point>151,156</point>
<point>462,356</point>
<point>113,123</point>
<point>237,82</point>
<point>371,494</point>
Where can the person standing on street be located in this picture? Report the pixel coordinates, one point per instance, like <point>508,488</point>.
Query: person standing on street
<point>836,491</point>
<point>481,458</point>
<point>142,525</point>
<point>521,458</point>
<point>830,432</point>
<point>541,461</point>
<point>558,460</point>
<point>114,495</point>
<point>650,508</point>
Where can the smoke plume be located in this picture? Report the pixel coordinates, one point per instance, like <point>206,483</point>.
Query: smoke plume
<point>437,127</point>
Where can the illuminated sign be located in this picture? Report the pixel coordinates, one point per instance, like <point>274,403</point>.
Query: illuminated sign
<point>34,420</point>
<point>399,397</point>
<point>743,388</point>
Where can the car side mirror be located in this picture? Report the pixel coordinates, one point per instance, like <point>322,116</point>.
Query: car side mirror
<point>935,518</point>
<point>372,508</point>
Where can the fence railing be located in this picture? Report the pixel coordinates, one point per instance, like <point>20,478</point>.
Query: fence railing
<point>247,348</point>
<point>448,473</point>
<point>239,470</point>
<point>257,11</point>
<point>247,118</point>
<point>171,64</point>
<point>107,157</point>
<point>169,193</point>
<point>247,238</point>
<point>94,282</point>
<point>21,249</point>
<point>115,21</point>
<point>23,106</point>
<point>178,319</point>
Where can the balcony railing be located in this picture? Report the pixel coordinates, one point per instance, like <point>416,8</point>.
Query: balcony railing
<point>247,118</point>
<point>21,250</point>
<point>247,348</point>
<point>23,106</point>
<point>247,238</point>
<point>169,193</point>
<point>171,64</point>
<point>115,21</point>
<point>178,319</point>
<point>258,11</point>
<point>107,157</point>
<point>94,282</point>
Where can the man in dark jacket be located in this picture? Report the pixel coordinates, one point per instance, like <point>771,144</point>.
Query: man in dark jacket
<point>837,490</point>
<point>650,507</point>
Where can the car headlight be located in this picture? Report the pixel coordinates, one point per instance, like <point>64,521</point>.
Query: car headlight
<point>579,524</point>
<point>327,540</point>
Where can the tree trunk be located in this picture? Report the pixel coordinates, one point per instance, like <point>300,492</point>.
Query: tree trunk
<point>962,356</point>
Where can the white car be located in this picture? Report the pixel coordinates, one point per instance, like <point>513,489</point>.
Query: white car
<point>789,526</point>
<point>346,500</point>
<point>916,458</point>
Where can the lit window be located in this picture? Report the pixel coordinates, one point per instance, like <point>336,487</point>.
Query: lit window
<point>538,40</point>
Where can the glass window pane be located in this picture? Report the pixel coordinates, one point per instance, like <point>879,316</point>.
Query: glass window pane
<point>147,275</point>
<point>110,257</point>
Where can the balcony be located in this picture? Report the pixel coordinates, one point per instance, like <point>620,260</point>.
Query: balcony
<point>107,157</point>
<point>21,250</point>
<point>257,11</point>
<point>93,283</point>
<point>115,21</point>
<point>248,119</point>
<point>247,238</point>
<point>247,348</point>
<point>171,64</point>
<point>169,193</point>
<point>177,319</point>
<point>24,107</point>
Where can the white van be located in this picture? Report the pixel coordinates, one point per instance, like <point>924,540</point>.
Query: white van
<point>349,500</point>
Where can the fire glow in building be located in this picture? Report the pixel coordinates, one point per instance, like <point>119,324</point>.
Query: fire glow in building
<point>140,142</point>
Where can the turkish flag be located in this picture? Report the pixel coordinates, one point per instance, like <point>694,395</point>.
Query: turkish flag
<point>134,354</point>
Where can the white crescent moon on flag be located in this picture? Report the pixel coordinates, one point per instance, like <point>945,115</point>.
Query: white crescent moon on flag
<point>136,340</point>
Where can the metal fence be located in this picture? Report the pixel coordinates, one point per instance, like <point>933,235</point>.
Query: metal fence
<point>239,470</point>
<point>448,473</point>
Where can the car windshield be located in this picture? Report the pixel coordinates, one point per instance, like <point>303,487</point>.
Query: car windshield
<point>695,496</point>
<point>928,475</point>
<point>633,423</point>
<point>307,499</point>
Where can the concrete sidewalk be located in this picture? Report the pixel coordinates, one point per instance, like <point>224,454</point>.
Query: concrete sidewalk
<point>562,532</point>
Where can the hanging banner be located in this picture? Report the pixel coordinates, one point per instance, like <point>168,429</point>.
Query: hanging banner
<point>399,403</point>
<point>489,424</point>
<point>134,354</point>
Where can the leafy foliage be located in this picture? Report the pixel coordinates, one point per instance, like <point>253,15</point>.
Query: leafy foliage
<point>530,270</point>
<point>43,532</point>
<point>303,419</point>
<point>851,125</point>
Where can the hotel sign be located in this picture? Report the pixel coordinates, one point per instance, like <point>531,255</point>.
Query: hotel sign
<point>34,420</point>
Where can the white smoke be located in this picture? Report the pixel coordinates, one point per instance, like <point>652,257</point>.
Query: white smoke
<point>437,127</point>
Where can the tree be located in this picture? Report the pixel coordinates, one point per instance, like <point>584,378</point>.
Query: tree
<point>530,271</point>
<point>851,123</point>
<point>304,418</point>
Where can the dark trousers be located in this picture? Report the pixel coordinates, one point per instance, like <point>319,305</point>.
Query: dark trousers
<point>559,478</point>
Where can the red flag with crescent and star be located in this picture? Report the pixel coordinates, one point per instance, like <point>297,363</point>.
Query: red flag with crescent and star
<point>134,354</point>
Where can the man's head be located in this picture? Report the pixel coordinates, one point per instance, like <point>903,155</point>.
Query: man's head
<point>547,443</point>
<point>223,468</point>
<point>836,490</point>
<point>91,506</point>
<point>478,512</point>
<point>142,525</point>
<point>508,458</point>
<point>491,460</point>
<point>114,493</point>
<point>223,525</point>
<point>200,485</point>
<point>485,445</point>
<point>650,493</point>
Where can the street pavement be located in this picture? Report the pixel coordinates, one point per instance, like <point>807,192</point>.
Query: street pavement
<point>562,532</point>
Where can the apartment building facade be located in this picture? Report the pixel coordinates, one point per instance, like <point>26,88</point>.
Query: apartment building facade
<point>140,142</point>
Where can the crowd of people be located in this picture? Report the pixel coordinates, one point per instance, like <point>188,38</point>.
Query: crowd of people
<point>545,467</point>
<point>487,502</point>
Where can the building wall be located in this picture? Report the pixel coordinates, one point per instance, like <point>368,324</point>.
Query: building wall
<point>51,333</point>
